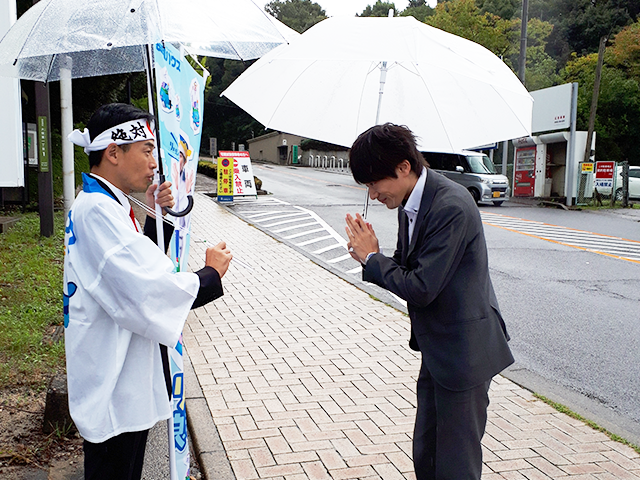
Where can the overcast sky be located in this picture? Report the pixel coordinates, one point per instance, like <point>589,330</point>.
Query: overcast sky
<point>335,8</point>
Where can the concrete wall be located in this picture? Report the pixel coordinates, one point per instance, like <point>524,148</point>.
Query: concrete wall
<point>273,147</point>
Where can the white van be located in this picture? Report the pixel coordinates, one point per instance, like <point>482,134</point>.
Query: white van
<point>475,171</point>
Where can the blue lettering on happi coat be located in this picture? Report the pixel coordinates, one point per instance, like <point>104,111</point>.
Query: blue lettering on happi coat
<point>72,288</point>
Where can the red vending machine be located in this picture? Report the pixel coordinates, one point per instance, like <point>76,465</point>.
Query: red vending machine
<point>524,174</point>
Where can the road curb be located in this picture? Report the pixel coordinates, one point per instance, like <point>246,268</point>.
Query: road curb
<point>207,445</point>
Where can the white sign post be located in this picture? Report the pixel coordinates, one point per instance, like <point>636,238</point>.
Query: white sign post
<point>12,159</point>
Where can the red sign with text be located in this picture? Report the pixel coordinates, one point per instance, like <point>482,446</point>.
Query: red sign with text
<point>605,170</point>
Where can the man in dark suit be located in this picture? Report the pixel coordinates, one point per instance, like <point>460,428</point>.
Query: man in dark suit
<point>440,268</point>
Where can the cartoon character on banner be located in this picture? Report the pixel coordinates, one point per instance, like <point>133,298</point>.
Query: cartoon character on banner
<point>178,106</point>
<point>167,92</point>
<point>183,177</point>
<point>196,121</point>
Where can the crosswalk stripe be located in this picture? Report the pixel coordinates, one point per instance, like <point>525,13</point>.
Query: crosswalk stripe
<point>313,240</point>
<point>615,247</point>
<point>302,234</point>
<point>326,249</point>
<point>276,217</point>
<point>340,259</point>
<point>262,214</point>
<point>286,229</point>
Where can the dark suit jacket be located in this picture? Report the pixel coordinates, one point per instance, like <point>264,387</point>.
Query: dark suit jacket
<point>444,277</point>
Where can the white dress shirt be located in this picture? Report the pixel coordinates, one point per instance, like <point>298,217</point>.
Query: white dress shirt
<point>412,206</point>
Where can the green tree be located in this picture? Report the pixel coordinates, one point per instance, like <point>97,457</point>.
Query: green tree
<point>464,18</point>
<point>618,115</point>
<point>299,15</point>
<point>380,9</point>
<point>506,9</point>
<point>417,9</point>
<point>625,50</point>
<point>222,118</point>
<point>541,68</point>
<point>579,24</point>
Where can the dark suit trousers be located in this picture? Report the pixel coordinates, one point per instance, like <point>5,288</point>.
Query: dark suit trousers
<point>448,430</point>
<point>118,458</point>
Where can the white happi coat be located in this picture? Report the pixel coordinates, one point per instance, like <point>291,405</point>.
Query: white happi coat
<point>122,300</point>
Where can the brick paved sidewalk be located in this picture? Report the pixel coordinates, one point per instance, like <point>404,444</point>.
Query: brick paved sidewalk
<point>308,377</point>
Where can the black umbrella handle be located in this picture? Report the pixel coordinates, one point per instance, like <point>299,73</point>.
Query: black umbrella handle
<point>184,212</point>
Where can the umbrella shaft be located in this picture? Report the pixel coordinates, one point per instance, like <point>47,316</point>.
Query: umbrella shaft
<point>383,80</point>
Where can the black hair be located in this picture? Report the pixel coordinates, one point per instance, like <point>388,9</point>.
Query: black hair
<point>108,116</point>
<point>377,152</point>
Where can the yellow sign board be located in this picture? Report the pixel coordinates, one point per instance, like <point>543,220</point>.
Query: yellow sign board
<point>225,179</point>
<point>587,167</point>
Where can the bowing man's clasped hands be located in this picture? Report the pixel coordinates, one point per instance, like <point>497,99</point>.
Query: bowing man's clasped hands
<point>362,238</point>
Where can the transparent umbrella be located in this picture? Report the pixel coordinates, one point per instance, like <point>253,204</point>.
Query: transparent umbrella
<point>103,37</point>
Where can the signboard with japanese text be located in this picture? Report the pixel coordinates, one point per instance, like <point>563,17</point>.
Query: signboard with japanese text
<point>604,175</point>
<point>551,108</point>
<point>225,179</point>
<point>243,182</point>
<point>586,167</point>
<point>43,145</point>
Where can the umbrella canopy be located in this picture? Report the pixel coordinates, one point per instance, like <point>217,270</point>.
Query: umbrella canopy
<point>109,36</point>
<point>345,75</point>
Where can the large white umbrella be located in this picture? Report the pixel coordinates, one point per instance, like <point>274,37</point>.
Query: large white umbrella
<point>104,37</point>
<point>345,75</point>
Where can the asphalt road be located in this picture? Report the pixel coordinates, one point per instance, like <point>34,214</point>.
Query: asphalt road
<point>573,314</point>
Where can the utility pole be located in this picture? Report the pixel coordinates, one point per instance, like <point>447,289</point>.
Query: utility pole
<point>521,65</point>
<point>594,98</point>
<point>45,174</point>
<point>523,40</point>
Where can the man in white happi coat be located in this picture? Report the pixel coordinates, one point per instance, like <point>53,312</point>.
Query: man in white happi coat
<point>123,300</point>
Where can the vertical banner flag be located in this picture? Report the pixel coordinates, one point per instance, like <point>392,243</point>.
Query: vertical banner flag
<point>180,92</point>
<point>243,183</point>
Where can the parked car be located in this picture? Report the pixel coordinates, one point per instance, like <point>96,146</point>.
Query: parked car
<point>634,184</point>
<point>475,171</point>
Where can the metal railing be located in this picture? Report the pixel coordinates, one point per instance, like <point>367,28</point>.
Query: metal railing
<point>328,163</point>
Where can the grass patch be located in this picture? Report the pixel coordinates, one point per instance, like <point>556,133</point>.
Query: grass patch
<point>30,301</point>
<point>606,205</point>
<point>562,409</point>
